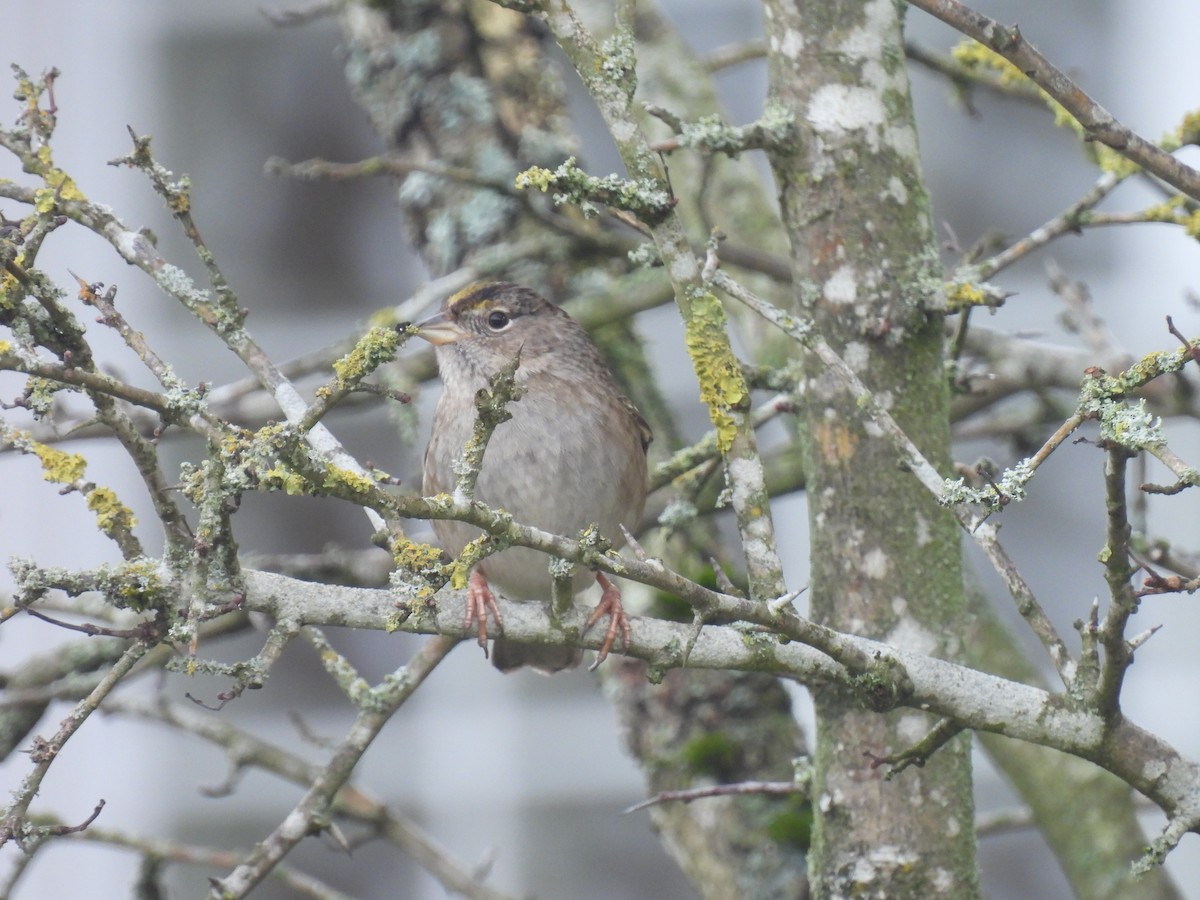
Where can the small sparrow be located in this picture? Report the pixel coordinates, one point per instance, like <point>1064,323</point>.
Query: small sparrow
<point>573,453</point>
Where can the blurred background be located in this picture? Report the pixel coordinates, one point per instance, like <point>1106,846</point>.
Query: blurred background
<point>524,771</point>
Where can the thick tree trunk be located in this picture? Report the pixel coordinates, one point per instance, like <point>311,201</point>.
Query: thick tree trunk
<point>865,265</point>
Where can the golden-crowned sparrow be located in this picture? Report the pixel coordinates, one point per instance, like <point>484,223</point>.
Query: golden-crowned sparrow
<point>573,453</point>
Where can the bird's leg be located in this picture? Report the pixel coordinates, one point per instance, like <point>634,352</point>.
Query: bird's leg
<point>480,600</point>
<point>618,621</point>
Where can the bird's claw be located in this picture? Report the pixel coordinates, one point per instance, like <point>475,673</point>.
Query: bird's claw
<point>481,600</point>
<point>618,621</point>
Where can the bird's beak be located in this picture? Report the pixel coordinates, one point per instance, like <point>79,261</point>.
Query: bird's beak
<point>440,329</point>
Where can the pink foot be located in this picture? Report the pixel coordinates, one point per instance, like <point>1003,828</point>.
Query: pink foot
<point>479,601</point>
<point>618,621</point>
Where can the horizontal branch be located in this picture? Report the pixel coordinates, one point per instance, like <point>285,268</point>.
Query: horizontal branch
<point>975,699</point>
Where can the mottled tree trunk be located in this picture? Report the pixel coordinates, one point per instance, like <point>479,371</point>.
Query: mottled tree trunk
<point>865,268</point>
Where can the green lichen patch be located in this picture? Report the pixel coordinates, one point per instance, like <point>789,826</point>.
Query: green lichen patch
<point>1009,485</point>
<point>1129,424</point>
<point>776,127</point>
<point>1188,131</point>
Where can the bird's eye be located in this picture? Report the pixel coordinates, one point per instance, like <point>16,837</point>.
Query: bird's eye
<point>498,320</point>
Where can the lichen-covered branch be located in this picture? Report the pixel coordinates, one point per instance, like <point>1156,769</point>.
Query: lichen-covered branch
<point>1096,123</point>
<point>970,697</point>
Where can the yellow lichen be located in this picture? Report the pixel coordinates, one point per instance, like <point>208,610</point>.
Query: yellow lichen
<point>722,384</point>
<point>1189,129</point>
<point>180,199</point>
<point>358,484</point>
<point>1109,160</point>
<point>974,55</point>
<point>111,514</point>
<point>59,185</point>
<point>1167,211</point>
<point>459,573</point>
<point>963,294</point>
<point>415,557</point>
<point>57,466</point>
<point>535,177</point>
<point>460,569</point>
<point>373,349</point>
<point>1191,225</point>
<point>281,478</point>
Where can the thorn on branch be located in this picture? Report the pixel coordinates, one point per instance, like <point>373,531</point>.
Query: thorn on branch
<point>41,750</point>
<point>638,551</point>
<point>337,836</point>
<point>779,604</point>
<point>1138,640</point>
<point>674,122</point>
<point>307,734</point>
<point>226,787</point>
<point>87,291</point>
<point>712,261</point>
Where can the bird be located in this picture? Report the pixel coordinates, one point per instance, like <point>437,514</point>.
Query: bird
<point>572,454</point>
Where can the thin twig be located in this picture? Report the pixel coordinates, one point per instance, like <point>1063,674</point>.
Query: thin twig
<point>778,788</point>
<point>1066,222</point>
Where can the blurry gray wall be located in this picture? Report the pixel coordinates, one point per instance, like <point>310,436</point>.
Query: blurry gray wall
<point>526,768</point>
